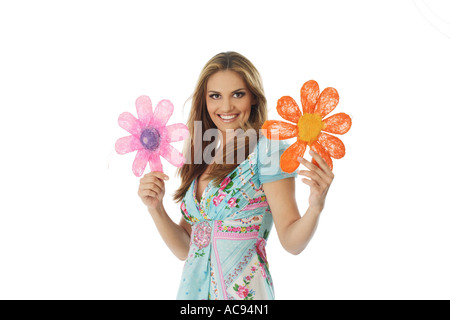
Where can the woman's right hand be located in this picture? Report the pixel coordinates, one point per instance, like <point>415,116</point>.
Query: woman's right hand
<point>152,189</point>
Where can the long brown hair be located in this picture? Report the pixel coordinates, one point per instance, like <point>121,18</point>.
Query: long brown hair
<point>223,61</point>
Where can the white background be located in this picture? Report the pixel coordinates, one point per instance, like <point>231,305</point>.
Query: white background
<point>71,223</point>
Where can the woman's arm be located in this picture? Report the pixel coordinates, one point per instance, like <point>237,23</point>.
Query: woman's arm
<point>176,236</point>
<point>295,231</point>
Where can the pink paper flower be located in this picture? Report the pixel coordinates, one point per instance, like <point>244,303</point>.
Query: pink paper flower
<point>150,136</point>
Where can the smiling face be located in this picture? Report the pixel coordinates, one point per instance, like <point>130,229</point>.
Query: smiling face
<point>228,100</point>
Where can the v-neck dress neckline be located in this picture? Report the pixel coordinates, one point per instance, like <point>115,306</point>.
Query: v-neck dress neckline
<point>205,191</point>
<point>209,185</point>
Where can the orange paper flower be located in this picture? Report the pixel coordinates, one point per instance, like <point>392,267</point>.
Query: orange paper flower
<point>309,126</point>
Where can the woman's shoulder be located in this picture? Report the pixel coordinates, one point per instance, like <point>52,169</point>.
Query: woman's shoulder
<point>268,153</point>
<point>267,148</point>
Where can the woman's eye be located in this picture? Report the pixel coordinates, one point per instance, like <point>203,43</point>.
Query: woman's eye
<point>216,96</point>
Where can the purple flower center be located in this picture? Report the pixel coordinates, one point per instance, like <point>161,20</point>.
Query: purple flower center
<point>150,139</point>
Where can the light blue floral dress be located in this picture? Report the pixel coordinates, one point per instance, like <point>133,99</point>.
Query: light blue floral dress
<point>230,226</point>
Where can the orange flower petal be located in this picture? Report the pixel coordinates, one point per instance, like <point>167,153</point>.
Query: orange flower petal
<point>328,100</point>
<point>288,109</point>
<point>339,123</point>
<point>317,147</point>
<point>334,146</point>
<point>309,94</point>
<point>279,130</point>
<point>288,160</point>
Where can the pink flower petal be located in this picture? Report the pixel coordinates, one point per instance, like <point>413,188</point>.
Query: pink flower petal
<point>172,155</point>
<point>128,144</point>
<point>144,109</point>
<point>140,162</point>
<point>155,162</point>
<point>163,111</point>
<point>177,132</point>
<point>128,122</point>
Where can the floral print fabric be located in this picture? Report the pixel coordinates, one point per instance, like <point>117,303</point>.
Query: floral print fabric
<point>230,227</point>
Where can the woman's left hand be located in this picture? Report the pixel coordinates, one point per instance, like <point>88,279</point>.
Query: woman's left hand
<point>319,182</point>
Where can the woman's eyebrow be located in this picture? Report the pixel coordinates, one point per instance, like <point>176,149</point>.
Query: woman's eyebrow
<point>213,91</point>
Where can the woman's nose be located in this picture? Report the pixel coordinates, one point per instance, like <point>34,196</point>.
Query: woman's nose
<point>227,105</point>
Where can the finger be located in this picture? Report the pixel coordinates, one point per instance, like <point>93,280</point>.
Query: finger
<point>320,182</point>
<point>152,178</point>
<point>324,170</point>
<point>149,193</point>
<point>152,186</point>
<point>324,179</point>
<point>321,162</point>
<point>157,174</point>
<point>313,175</point>
<point>310,183</point>
<point>144,193</point>
<point>161,175</point>
<point>309,165</point>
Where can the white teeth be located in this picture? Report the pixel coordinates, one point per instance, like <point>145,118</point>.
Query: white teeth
<point>228,117</point>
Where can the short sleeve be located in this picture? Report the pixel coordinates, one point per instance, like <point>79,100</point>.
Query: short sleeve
<point>269,153</point>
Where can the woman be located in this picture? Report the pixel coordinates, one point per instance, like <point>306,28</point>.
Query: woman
<point>228,208</point>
